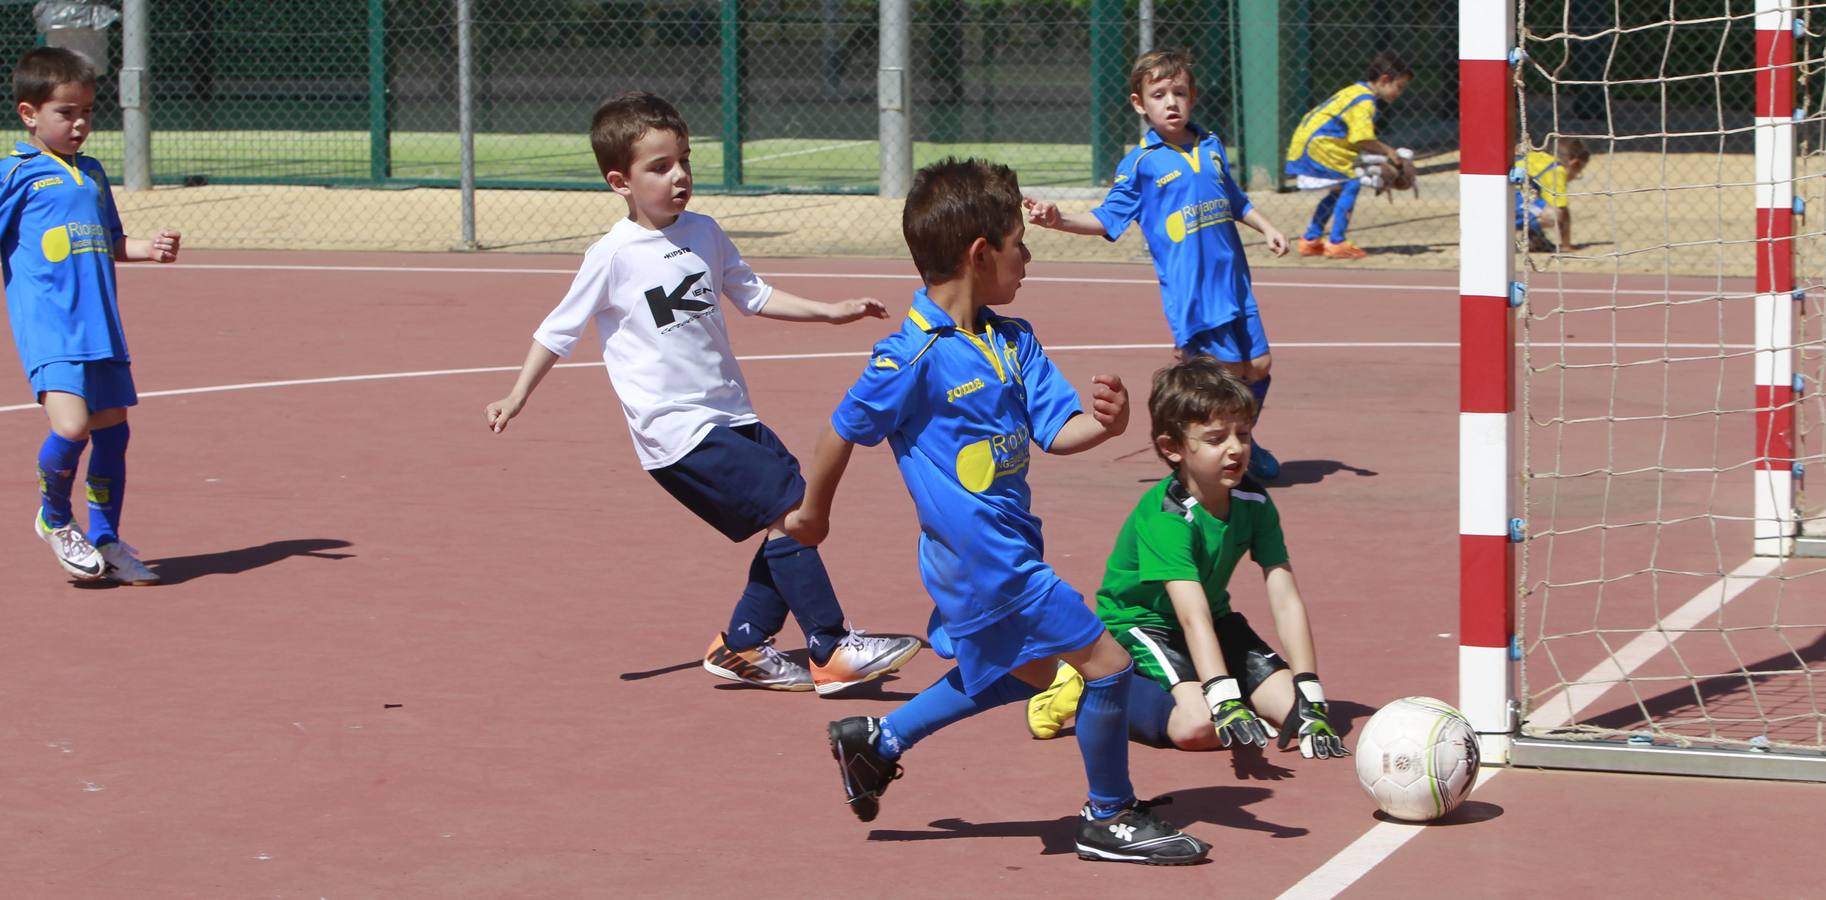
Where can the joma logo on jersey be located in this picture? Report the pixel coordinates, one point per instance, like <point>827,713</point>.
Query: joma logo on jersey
<point>43,183</point>
<point>968,387</point>
<point>1164,179</point>
<point>664,303</point>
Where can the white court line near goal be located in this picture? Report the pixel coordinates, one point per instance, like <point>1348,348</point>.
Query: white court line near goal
<point>806,152</point>
<point>1382,840</point>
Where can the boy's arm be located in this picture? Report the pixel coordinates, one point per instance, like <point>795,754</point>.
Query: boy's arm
<point>162,248</point>
<point>1309,720</point>
<point>1109,417</point>
<point>1234,721</point>
<point>1566,228</point>
<point>1047,215</point>
<point>539,361</point>
<point>810,521</point>
<point>790,307</point>
<point>1277,242</point>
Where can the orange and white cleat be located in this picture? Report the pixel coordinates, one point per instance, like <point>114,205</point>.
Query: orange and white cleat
<point>1314,247</point>
<point>1344,250</point>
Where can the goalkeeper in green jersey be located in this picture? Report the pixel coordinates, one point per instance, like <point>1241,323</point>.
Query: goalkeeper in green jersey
<point>1211,681</point>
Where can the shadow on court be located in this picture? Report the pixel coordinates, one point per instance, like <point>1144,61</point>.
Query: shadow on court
<point>1469,812</point>
<point>1223,806</point>
<point>872,690</point>
<point>179,569</point>
<point>1312,471</point>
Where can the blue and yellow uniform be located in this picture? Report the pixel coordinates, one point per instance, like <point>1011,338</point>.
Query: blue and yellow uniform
<point>1188,206</point>
<point>1544,171</point>
<point>1323,154</point>
<point>58,228</point>
<point>961,407</point>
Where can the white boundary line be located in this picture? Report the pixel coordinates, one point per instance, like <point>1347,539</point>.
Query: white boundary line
<point>881,276</point>
<point>1382,840</point>
<point>805,152</point>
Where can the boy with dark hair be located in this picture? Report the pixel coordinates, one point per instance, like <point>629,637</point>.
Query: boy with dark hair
<point>960,393</point>
<point>1549,174</point>
<point>1177,185</point>
<point>60,237</point>
<point>1323,154</point>
<point>650,286</point>
<point>1165,593</point>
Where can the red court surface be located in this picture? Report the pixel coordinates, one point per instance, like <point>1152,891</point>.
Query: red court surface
<point>396,655</point>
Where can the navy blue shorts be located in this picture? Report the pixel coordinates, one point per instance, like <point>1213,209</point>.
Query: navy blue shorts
<point>1055,622</point>
<point>103,383</point>
<point>740,479</point>
<point>1239,340</point>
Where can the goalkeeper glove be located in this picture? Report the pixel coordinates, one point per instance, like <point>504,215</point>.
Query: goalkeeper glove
<point>1308,720</point>
<point>1235,722</point>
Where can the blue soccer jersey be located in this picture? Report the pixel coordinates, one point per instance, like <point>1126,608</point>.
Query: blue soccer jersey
<point>1188,206</point>
<point>961,409</point>
<point>58,227</point>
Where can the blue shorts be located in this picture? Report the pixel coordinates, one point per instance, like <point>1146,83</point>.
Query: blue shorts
<point>740,479</point>
<point>1055,622</point>
<point>1239,340</point>
<point>103,383</point>
<point>1528,212</point>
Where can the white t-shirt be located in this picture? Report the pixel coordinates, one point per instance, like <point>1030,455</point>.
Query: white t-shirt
<point>653,297</point>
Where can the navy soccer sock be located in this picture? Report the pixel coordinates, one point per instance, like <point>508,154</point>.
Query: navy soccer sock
<point>1259,388</point>
<point>1321,215</point>
<point>107,482</point>
<point>799,576</point>
<point>1347,201</point>
<point>943,704</point>
<point>1150,709</point>
<point>57,459</point>
<point>760,613</point>
<point>1103,739</point>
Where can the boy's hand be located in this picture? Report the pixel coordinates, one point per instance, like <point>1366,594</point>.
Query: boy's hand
<point>1309,721</point>
<point>807,527</point>
<point>1277,242</point>
<point>1041,213</point>
<point>862,307</point>
<point>500,411</point>
<point>165,246</point>
<point>1234,721</point>
<point>1110,403</point>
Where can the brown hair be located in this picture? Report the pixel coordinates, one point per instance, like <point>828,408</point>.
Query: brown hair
<point>1571,149</point>
<point>623,120</point>
<point>42,71</point>
<point>1388,64</point>
<point>1155,65</point>
<point>1192,392</point>
<point>951,204</point>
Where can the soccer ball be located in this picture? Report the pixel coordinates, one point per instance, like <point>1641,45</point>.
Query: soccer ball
<point>1417,757</point>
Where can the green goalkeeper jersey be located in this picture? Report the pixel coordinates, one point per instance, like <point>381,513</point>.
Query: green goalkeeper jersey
<point>1170,537</point>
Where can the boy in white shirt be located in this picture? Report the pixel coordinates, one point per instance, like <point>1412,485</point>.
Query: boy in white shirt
<point>651,285</point>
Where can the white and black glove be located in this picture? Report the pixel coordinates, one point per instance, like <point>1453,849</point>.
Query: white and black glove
<point>1308,720</point>
<point>1236,724</point>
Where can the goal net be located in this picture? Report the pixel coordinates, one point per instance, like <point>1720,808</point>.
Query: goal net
<point>1669,389</point>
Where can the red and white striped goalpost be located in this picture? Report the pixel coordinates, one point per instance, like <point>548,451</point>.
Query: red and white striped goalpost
<point>1775,314</point>
<point>1486,353</point>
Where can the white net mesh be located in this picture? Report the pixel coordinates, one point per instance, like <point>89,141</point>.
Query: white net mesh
<point>1641,610</point>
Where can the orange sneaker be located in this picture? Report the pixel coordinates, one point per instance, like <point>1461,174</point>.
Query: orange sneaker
<point>1344,250</point>
<point>862,657</point>
<point>761,666</point>
<point>1314,247</point>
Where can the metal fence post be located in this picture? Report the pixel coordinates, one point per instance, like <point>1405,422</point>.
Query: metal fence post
<point>894,98</point>
<point>1108,99</point>
<point>1259,28</point>
<point>466,126</point>
<point>735,45</point>
<point>380,153</point>
<point>135,125</point>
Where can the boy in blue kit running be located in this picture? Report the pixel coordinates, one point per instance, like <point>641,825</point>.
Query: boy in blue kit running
<point>1177,184</point>
<point>650,286</point>
<point>59,239</point>
<point>1323,153</point>
<point>961,394</point>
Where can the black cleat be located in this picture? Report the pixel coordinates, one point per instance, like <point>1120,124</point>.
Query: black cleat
<point>866,772</point>
<point>1538,243</point>
<point>1138,836</point>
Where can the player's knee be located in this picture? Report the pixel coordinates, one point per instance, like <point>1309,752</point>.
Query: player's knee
<point>1260,366</point>
<point>1192,735</point>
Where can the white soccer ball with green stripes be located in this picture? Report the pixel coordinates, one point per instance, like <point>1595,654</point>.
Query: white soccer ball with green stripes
<point>1417,757</point>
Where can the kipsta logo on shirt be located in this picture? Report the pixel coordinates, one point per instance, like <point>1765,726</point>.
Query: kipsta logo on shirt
<point>664,303</point>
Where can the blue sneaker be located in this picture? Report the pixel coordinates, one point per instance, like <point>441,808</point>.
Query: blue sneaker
<point>1262,464</point>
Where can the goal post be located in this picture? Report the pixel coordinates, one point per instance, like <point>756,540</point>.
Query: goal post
<point>1641,391</point>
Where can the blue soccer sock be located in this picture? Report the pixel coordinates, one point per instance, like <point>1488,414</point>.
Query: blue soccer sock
<point>107,482</point>
<point>799,576</point>
<point>1103,740</point>
<point>1150,709</point>
<point>1347,201</point>
<point>57,459</point>
<point>942,704</point>
<point>760,612</point>
<point>1259,388</point>
<point>1321,215</point>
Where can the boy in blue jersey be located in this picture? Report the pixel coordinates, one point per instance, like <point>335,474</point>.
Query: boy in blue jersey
<point>1177,184</point>
<point>59,239</point>
<point>961,394</point>
<point>1323,153</point>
